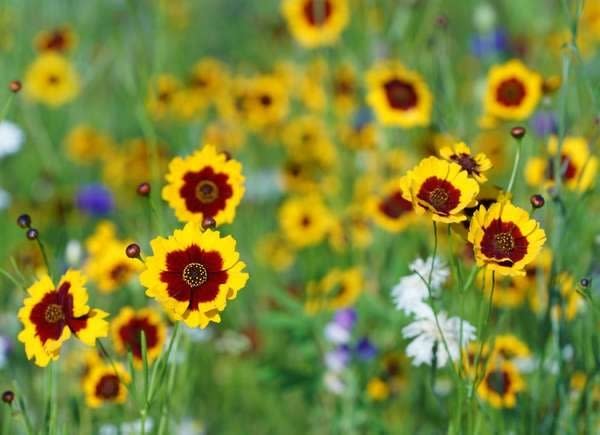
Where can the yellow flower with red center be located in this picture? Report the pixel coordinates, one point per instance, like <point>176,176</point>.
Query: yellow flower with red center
<point>391,210</point>
<point>505,239</point>
<point>51,79</point>
<point>193,274</point>
<point>345,89</point>
<point>440,188</point>
<point>501,384</point>
<point>338,289</point>
<point>60,39</point>
<point>305,221</point>
<point>267,102</point>
<point>578,167</point>
<point>161,95</point>
<point>513,91</point>
<point>475,357</point>
<point>52,313</point>
<point>475,165</point>
<point>206,184</point>
<point>126,330</point>
<point>508,347</point>
<point>209,78</point>
<point>104,385</point>
<point>399,96</point>
<point>316,22</point>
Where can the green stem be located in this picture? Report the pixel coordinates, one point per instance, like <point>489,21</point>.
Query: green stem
<point>515,168</point>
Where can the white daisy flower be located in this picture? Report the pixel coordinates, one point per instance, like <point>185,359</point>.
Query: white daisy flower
<point>428,340</point>
<point>409,294</point>
<point>11,138</point>
<point>439,274</point>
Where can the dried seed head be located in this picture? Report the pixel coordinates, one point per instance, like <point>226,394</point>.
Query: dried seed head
<point>537,201</point>
<point>518,132</point>
<point>133,250</point>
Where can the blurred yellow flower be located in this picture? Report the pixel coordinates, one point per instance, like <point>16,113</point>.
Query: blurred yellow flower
<point>51,79</point>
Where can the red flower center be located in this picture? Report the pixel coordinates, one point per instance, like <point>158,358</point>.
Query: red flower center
<point>131,334</point>
<point>467,162</point>
<point>56,41</point>
<point>504,241</point>
<point>401,95</point>
<point>108,387</point>
<point>395,206</point>
<point>120,272</point>
<point>511,92</point>
<point>206,191</point>
<point>498,381</point>
<point>439,194</point>
<point>194,275</point>
<point>568,169</point>
<point>54,312</point>
<point>317,12</point>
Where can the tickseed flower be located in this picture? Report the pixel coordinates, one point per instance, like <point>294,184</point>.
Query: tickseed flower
<point>126,331</point>
<point>505,238</point>
<point>578,167</point>
<point>399,96</point>
<point>513,91</point>
<point>267,101</point>
<point>510,348</point>
<point>161,95</point>
<point>103,385</point>
<point>60,39</point>
<point>390,210</point>
<point>475,165</point>
<point>440,188</point>
<point>193,274</point>
<point>51,79</point>
<point>338,289</point>
<point>305,221</point>
<point>52,313</point>
<point>316,22</point>
<point>205,184</point>
<point>500,385</point>
<point>85,144</point>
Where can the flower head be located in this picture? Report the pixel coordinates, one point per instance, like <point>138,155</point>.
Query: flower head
<point>205,184</point>
<point>440,188</point>
<point>103,385</point>
<point>474,165</point>
<point>505,238</point>
<point>126,331</point>
<point>305,221</point>
<point>500,385</point>
<point>95,200</point>
<point>52,79</point>
<point>316,22</point>
<point>193,274</point>
<point>11,138</point>
<point>51,314</point>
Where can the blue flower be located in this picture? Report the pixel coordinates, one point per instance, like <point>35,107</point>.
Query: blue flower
<point>544,123</point>
<point>365,350</point>
<point>95,199</point>
<point>489,44</point>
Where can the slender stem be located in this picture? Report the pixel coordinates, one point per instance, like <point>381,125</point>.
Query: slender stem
<point>45,256</point>
<point>515,168</point>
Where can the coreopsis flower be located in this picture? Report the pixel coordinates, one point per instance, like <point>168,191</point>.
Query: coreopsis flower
<point>578,166</point>
<point>339,288</point>
<point>11,138</point>
<point>390,209</point>
<point>61,39</point>
<point>501,384</point>
<point>440,188</point>
<point>399,96</point>
<point>378,389</point>
<point>193,274</point>
<point>85,144</point>
<point>305,221</point>
<point>344,89</point>
<point>103,385</point>
<point>316,22</point>
<point>508,347</point>
<point>204,185</point>
<point>161,95</point>
<point>266,102</point>
<point>475,165</point>
<point>209,78</point>
<point>505,239</point>
<point>427,345</point>
<point>51,79</point>
<point>52,313</point>
<point>513,91</point>
<point>126,329</point>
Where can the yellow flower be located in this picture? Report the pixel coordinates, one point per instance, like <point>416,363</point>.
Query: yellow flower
<point>274,250</point>
<point>507,292</point>
<point>377,389</point>
<point>103,385</point>
<point>224,135</point>
<point>209,79</point>
<point>161,93</point>
<point>475,358</point>
<point>391,210</point>
<point>193,274</point>
<point>267,101</point>
<point>571,302</point>
<point>508,347</point>
<point>505,238</point>
<point>440,188</point>
<point>345,89</point>
<point>399,96</point>
<point>500,385</point>
<point>51,314</point>
<point>85,144</point>
<point>204,185</point>
<point>578,166</point>
<point>316,22</point>
<point>126,331</point>
<point>340,288</point>
<point>111,269</point>
<point>513,91</point>
<point>305,221</point>
<point>60,39</point>
<point>51,79</point>
<point>474,165</point>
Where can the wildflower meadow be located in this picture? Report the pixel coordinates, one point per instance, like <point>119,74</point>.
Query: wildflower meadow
<point>299,217</point>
